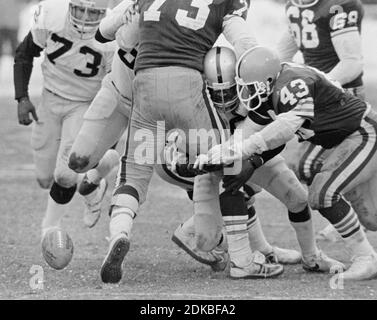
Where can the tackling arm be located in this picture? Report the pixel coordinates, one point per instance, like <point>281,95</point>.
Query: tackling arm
<point>273,136</point>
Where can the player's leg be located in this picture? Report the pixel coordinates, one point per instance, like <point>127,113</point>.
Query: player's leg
<point>364,201</point>
<point>184,234</point>
<point>276,178</point>
<point>65,179</point>
<point>45,138</point>
<point>135,172</point>
<point>350,164</point>
<point>245,264</point>
<point>104,123</point>
<point>45,141</point>
<point>329,233</point>
<point>92,152</point>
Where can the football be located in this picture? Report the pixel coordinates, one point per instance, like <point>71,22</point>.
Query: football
<point>57,248</point>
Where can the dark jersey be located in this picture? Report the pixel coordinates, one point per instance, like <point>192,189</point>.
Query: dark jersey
<point>181,32</point>
<point>331,114</point>
<point>313,29</point>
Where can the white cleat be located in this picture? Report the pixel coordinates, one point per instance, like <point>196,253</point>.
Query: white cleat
<point>93,204</point>
<point>257,269</point>
<point>284,256</point>
<point>217,258</point>
<point>362,268</point>
<point>322,263</point>
<point>111,269</point>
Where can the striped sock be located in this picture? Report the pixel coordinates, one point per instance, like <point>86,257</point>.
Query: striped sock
<point>346,222</point>
<point>233,209</point>
<point>303,224</point>
<point>256,236</point>
<point>238,240</point>
<point>349,225</point>
<point>342,217</point>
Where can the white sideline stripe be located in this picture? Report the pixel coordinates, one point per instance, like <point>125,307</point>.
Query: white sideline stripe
<point>162,294</point>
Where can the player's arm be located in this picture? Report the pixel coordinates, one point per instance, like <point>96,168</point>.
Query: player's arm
<point>287,47</point>
<point>236,30</point>
<point>124,15</point>
<point>26,51</point>
<point>273,136</point>
<point>345,26</point>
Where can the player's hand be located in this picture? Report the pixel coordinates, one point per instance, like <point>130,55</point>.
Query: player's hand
<point>187,170</point>
<point>234,183</point>
<point>201,161</point>
<point>132,12</point>
<point>24,109</point>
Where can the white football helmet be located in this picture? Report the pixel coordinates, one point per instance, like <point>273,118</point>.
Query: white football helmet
<point>219,73</point>
<point>304,3</point>
<point>256,73</point>
<point>86,15</point>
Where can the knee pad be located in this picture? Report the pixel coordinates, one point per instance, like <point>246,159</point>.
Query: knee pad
<point>62,195</point>
<point>78,164</point>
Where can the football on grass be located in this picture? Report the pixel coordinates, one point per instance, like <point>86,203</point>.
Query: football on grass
<point>57,248</point>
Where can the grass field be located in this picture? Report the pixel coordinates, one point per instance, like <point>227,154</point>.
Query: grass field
<point>155,268</point>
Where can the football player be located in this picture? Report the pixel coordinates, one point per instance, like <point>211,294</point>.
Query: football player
<point>73,68</point>
<point>268,171</point>
<point>168,87</point>
<point>107,117</point>
<point>328,33</point>
<point>307,103</point>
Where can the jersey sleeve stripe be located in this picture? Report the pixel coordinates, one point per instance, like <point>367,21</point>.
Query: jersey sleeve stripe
<point>345,30</point>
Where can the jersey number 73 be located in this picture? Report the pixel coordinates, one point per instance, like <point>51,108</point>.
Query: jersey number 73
<point>66,46</point>
<point>182,17</point>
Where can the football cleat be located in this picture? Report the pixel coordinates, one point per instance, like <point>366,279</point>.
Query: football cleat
<point>362,268</point>
<point>257,269</point>
<point>111,269</point>
<point>321,263</point>
<point>215,258</point>
<point>93,202</point>
<point>222,259</point>
<point>284,256</point>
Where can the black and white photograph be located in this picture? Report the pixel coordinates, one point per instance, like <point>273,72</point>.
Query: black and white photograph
<point>200,152</point>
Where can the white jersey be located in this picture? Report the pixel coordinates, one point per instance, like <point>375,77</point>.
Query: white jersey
<point>122,73</point>
<point>73,68</point>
